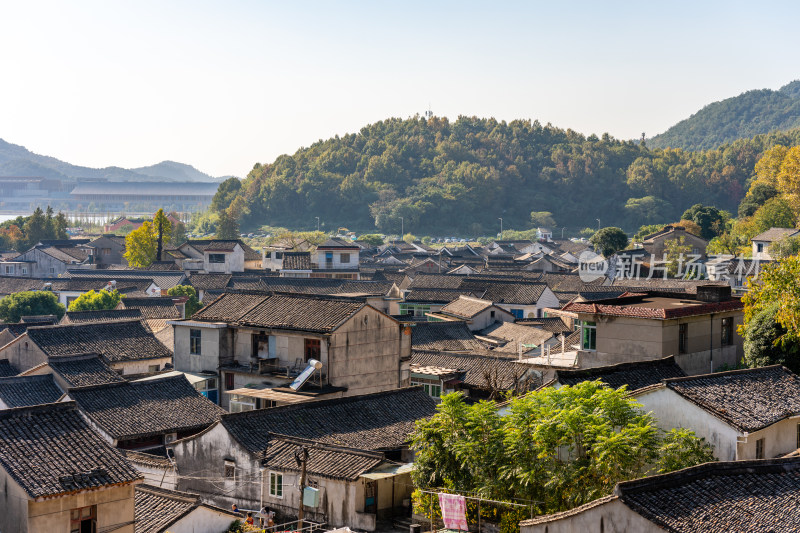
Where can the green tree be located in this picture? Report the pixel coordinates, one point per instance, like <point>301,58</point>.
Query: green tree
<point>776,286</point>
<point>193,305</point>
<point>676,254</point>
<point>228,227</point>
<point>562,447</point>
<point>178,234</point>
<point>36,227</point>
<point>409,238</point>
<point>785,247</point>
<point>543,219</point>
<point>96,301</point>
<point>757,196</point>
<point>609,241</point>
<point>162,231</point>
<point>710,220</point>
<point>646,230</point>
<point>29,303</point>
<point>225,194</point>
<point>371,238</point>
<point>775,213</point>
<point>140,246</point>
<point>765,342</point>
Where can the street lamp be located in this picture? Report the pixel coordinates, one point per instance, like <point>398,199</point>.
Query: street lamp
<point>598,224</point>
<point>562,232</point>
<point>501,226</point>
<point>317,224</point>
<point>402,228</point>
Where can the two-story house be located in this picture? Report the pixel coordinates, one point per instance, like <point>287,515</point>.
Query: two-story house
<point>763,241</point>
<point>219,256</point>
<point>655,243</point>
<point>336,258</point>
<point>107,250</point>
<point>264,341</point>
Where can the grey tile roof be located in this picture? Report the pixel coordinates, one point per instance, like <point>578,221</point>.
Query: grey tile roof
<point>516,334</point>
<point>506,291</point>
<point>50,450</point>
<point>436,281</point>
<point>444,336</point>
<point>480,371</point>
<point>325,286</point>
<point>204,282</point>
<point>553,324</point>
<point>116,341</point>
<point>152,307</point>
<point>11,284</point>
<point>158,508</point>
<point>84,370</point>
<point>720,497</point>
<point>324,460</point>
<point>109,315</point>
<point>286,311</point>
<point>66,254</point>
<point>776,234</point>
<point>439,296</point>
<point>378,421</point>
<point>223,245</point>
<point>164,280</point>
<point>7,370</point>
<point>337,243</point>
<point>748,400</point>
<point>466,307</point>
<point>296,261</point>
<point>21,391</point>
<point>635,375</point>
<point>146,408</point>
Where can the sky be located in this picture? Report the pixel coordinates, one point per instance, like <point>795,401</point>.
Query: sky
<point>224,85</point>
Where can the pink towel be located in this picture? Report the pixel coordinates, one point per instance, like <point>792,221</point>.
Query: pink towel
<point>454,511</point>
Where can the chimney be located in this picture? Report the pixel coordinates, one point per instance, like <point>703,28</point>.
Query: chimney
<point>713,293</point>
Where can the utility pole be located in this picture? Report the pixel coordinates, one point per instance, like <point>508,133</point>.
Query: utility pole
<point>598,224</point>
<point>402,228</point>
<point>317,224</point>
<point>501,226</point>
<point>301,456</point>
<point>160,233</point>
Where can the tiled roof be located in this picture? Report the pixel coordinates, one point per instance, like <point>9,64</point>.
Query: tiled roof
<point>552,324</point>
<point>439,296</point>
<point>49,450</point>
<point>296,261</point>
<point>466,307</point>
<point>146,408</point>
<point>10,284</point>
<point>656,313</point>
<point>65,254</point>
<point>21,391</point>
<point>436,281</point>
<point>562,282</point>
<point>108,315</point>
<point>84,370</point>
<point>516,334</point>
<point>635,375</point>
<point>152,307</point>
<point>38,319</point>
<point>336,243</point>
<point>776,234</point>
<point>7,370</point>
<point>21,327</point>
<point>378,421</point>
<point>285,311</point>
<point>481,371</point>
<point>656,284</point>
<point>164,279</point>
<point>158,508</point>
<point>116,341</point>
<point>720,497</point>
<point>325,286</point>
<point>324,460</point>
<point>204,282</point>
<point>749,399</point>
<point>444,336</point>
<point>512,291</point>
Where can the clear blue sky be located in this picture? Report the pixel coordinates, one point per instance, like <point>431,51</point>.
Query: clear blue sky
<point>223,85</point>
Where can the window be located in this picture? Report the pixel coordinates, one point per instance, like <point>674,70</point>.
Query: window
<point>431,388</point>
<point>24,270</point>
<point>759,247</point>
<point>760,449</point>
<point>83,520</point>
<point>329,258</point>
<point>276,484</point>
<point>278,255</point>
<point>344,258</point>
<point>260,345</point>
<point>229,381</point>
<point>727,331</point>
<point>106,251</point>
<point>240,404</point>
<point>683,338</point>
<point>9,269</point>
<point>230,469</point>
<point>588,335</point>
<point>153,368</point>
<point>491,314</point>
<point>52,270</point>
<point>207,388</point>
<point>216,258</point>
<point>194,341</point>
<point>312,349</point>
<point>518,313</point>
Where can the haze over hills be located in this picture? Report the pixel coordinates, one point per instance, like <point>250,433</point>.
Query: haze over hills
<point>17,160</point>
<point>740,117</point>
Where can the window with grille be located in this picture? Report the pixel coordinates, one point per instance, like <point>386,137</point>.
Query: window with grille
<point>83,520</point>
<point>216,258</point>
<point>683,338</point>
<point>344,258</point>
<point>230,469</point>
<point>312,349</point>
<point>276,484</point>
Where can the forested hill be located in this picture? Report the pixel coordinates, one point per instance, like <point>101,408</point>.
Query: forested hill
<point>459,177</point>
<point>740,117</point>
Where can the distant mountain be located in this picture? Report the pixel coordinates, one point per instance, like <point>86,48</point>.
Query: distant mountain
<point>17,160</point>
<point>740,117</point>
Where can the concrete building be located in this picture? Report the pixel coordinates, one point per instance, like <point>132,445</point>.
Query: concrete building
<point>53,258</point>
<point>732,496</point>
<point>763,241</point>
<point>477,313</point>
<point>108,250</point>
<point>744,414</point>
<point>263,341</point>
<point>57,474</point>
<point>699,330</point>
<point>219,256</point>
<point>336,258</point>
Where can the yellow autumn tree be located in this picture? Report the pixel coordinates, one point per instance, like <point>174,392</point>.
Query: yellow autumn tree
<point>768,167</point>
<point>788,178</point>
<point>140,246</point>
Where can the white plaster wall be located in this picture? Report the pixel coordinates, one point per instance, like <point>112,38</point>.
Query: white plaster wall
<point>115,505</point>
<point>203,520</point>
<point>779,439</point>
<point>610,517</point>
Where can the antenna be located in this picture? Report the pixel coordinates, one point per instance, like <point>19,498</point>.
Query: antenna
<point>429,112</point>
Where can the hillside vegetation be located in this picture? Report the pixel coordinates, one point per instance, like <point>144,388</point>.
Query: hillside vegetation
<point>743,116</point>
<point>459,177</point>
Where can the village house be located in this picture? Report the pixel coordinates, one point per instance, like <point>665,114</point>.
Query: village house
<point>773,236</point>
<point>128,346</point>
<point>699,330</point>
<point>57,474</point>
<point>219,256</point>
<point>744,414</point>
<point>24,391</point>
<point>352,443</point>
<point>719,496</point>
<point>49,259</point>
<point>445,337</point>
<point>159,510</point>
<point>264,341</point>
<point>83,370</point>
<point>336,258</point>
<point>655,243</point>
<point>515,340</point>
<point>476,312</point>
<point>145,414</point>
<point>635,375</point>
<point>108,250</point>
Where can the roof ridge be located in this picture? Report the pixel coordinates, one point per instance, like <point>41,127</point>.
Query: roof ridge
<point>330,447</point>
<point>730,372</point>
<point>42,407</point>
